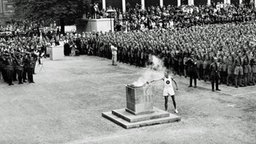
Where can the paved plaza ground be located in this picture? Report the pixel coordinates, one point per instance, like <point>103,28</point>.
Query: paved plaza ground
<point>64,106</point>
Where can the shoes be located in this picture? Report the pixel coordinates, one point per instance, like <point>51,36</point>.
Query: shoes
<point>20,82</point>
<point>213,90</point>
<point>195,86</point>
<point>218,90</point>
<point>10,84</point>
<point>190,86</point>
<point>176,111</point>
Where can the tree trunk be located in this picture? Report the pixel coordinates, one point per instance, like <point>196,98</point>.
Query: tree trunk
<point>62,26</point>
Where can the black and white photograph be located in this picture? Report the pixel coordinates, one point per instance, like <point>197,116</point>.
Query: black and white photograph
<point>127,71</point>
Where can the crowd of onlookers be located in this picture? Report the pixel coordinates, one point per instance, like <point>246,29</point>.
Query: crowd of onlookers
<point>22,45</point>
<point>233,45</point>
<point>182,16</point>
<point>180,35</point>
<point>187,39</point>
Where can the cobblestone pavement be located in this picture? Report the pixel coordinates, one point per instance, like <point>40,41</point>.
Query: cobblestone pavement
<point>66,102</point>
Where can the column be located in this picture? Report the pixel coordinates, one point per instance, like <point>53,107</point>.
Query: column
<point>143,4</point>
<point>161,3</point>
<point>179,2</point>
<point>190,2</point>
<point>124,5</point>
<point>1,6</point>
<point>4,7</point>
<point>227,2</point>
<point>255,3</point>
<point>104,4</point>
<point>208,2</point>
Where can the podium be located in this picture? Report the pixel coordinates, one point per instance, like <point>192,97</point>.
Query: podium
<point>95,25</point>
<point>57,52</point>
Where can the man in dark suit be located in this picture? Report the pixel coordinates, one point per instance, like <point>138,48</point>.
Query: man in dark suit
<point>192,71</point>
<point>9,69</point>
<point>215,75</point>
<point>19,67</point>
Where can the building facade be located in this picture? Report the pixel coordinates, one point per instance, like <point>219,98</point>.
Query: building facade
<point>6,10</point>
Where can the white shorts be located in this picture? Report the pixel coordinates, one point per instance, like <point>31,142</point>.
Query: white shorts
<point>168,92</point>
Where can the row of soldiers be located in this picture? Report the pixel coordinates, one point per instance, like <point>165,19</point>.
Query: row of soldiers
<point>235,54</point>
<point>238,70</point>
<point>17,66</point>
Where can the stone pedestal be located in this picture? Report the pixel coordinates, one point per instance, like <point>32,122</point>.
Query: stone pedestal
<point>139,110</point>
<point>139,100</point>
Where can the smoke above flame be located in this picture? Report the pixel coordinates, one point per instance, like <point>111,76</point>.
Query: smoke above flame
<point>155,71</point>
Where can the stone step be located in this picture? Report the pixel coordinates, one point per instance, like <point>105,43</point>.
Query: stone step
<point>157,113</point>
<point>127,125</point>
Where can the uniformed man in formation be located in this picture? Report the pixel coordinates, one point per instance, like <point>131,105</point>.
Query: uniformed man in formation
<point>215,74</point>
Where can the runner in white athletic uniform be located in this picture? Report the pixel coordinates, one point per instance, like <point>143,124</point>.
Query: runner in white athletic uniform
<point>168,89</point>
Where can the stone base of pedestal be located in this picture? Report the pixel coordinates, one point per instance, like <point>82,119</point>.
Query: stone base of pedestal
<point>128,120</point>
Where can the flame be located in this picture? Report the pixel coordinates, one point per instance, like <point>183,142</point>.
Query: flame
<point>153,72</point>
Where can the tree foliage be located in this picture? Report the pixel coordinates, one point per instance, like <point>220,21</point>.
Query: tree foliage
<point>48,10</point>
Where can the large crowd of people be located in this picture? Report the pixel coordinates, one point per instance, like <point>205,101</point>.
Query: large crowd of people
<point>17,60</point>
<point>183,16</point>
<point>215,43</point>
<point>232,44</point>
<point>21,47</point>
<point>206,43</point>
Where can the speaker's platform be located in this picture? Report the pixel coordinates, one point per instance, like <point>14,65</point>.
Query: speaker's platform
<point>128,120</point>
<point>95,25</point>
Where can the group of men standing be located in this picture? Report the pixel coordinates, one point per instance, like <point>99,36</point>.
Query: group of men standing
<point>18,58</point>
<point>214,72</point>
<point>238,70</point>
<point>220,62</point>
<point>17,66</point>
